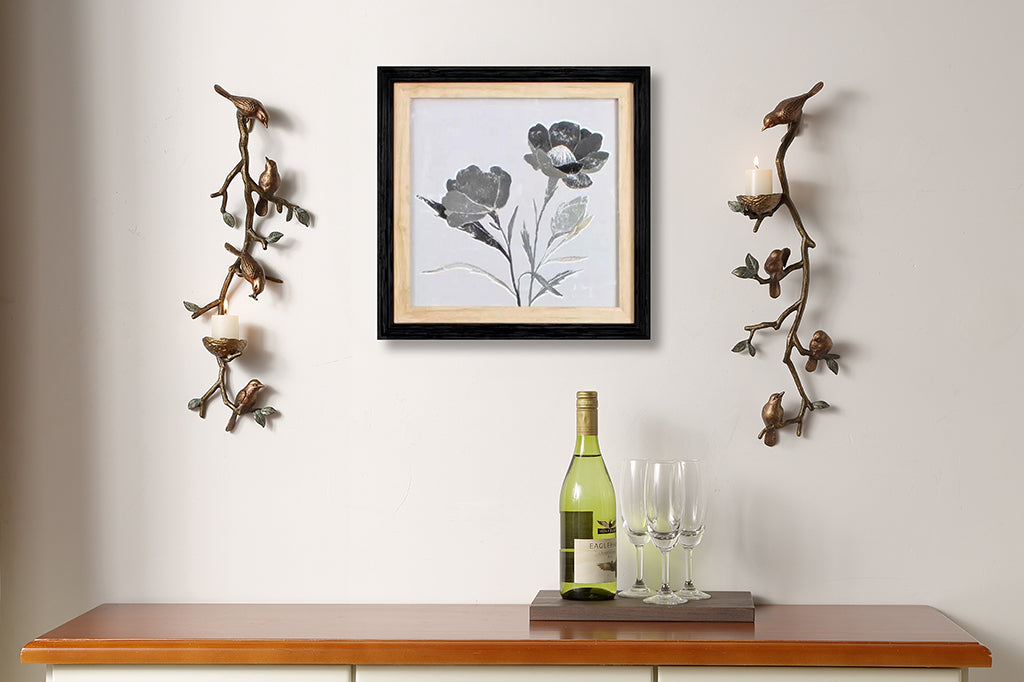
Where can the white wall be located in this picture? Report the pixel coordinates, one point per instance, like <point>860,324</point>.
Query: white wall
<point>428,472</point>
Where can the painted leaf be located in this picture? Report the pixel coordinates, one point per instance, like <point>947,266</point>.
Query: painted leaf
<point>832,365</point>
<point>526,244</point>
<point>274,237</point>
<point>568,259</point>
<point>546,284</point>
<point>561,276</point>
<point>568,215</point>
<point>229,219</point>
<point>752,263</point>
<point>302,216</point>
<point>819,405</point>
<point>191,307</point>
<point>472,268</point>
<point>511,224</point>
<point>194,404</point>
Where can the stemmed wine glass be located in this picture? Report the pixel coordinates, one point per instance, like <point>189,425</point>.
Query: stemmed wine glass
<point>634,520</point>
<point>663,495</point>
<point>691,529</point>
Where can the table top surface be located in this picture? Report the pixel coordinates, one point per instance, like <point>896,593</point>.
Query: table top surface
<point>478,634</point>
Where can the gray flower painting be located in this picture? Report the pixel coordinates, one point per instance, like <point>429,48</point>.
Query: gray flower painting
<point>525,217</point>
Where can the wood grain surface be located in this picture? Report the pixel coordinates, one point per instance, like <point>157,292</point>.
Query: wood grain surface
<point>781,635</point>
<point>729,607</point>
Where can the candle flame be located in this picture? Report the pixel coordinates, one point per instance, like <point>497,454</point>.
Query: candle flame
<point>756,162</point>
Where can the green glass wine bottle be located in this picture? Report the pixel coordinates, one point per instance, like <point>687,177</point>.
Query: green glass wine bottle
<point>587,511</point>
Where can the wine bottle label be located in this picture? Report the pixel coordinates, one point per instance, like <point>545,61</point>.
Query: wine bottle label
<point>594,560</point>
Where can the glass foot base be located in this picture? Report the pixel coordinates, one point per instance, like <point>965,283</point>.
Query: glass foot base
<point>693,594</point>
<point>665,599</point>
<point>640,591</point>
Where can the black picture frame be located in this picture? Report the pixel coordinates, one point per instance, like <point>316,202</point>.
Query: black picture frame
<point>629,320</point>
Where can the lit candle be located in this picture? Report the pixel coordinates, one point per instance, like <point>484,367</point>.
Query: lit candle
<point>225,327</point>
<point>759,180</point>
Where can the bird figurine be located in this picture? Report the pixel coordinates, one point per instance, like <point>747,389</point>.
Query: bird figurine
<point>789,110</point>
<point>270,180</point>
<point>772,414</point>
<point>247,106</point>
<point>775,265</point>
<point>245,401</point>
<point>819,347</point>
<point>250,269</point>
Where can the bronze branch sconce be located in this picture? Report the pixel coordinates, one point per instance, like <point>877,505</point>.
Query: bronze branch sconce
<point>758,206</point>
<point>224,343</point>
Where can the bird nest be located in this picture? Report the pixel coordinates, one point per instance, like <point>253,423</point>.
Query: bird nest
<point>224,348</point>
<point>756,206</point>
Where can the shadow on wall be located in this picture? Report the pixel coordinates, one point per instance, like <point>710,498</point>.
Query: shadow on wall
<point>45,460</point>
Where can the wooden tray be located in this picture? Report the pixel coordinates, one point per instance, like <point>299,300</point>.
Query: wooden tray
<point>723,607</point>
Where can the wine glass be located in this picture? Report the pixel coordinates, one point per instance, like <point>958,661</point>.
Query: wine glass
<point>634,520</point>
<point>691,529</point>
<point>663,500</point>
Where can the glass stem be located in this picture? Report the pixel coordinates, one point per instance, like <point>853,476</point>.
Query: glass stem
<point>639,565</point>
<point>688,568</point>
<point>664,573</point>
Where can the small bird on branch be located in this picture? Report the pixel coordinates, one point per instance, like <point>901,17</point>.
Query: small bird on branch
<point>247,106</point>
<point>250,269</point>
<point>819,347</point>
<point>270,181</point>
<point>790,109</point>
<point>774,265</point>
<point>245,401</point>
<point>772,414</point>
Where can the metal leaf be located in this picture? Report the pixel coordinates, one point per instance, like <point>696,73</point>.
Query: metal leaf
<point>229,219</point>
<point>740,347</point>
<point>832,365</point>
<point>194,404</point>
<point>191,307</point>
<point>751,349</point>
<point>819,405</point>
<point>736,206</point>
<point>302,216</point>
<point>260,418</point>
<point>274,237</point>
<point>752,263</point>
<point>268,410</point>
<point>290,214</point>
<point>743,272</point>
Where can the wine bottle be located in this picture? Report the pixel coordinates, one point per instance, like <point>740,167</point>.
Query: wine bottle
<point>587,511</point>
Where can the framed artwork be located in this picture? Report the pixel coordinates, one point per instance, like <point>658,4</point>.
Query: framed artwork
<point>514,202</point>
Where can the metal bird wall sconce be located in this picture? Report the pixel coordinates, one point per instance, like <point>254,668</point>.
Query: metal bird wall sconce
<point>788,112</point>
<point>259,197</point>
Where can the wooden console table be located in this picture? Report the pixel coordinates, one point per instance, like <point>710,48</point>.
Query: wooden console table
<point>406,643</point>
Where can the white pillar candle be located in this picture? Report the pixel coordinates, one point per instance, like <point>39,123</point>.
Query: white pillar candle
<point>759,180</point>
<point>225,327</point>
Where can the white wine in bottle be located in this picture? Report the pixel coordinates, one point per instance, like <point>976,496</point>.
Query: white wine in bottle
<point>587,510</point>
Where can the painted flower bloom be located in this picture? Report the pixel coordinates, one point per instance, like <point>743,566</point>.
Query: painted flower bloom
<point>566,152</point>
<point>475,193</point>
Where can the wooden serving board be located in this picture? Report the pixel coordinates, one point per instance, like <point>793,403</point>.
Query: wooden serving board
<point>723,607</point>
